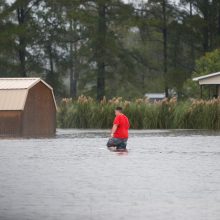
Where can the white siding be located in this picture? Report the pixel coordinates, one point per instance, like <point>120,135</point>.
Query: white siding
<point>214,80</point>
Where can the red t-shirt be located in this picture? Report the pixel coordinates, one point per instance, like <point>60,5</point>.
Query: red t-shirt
<point>123,126</point>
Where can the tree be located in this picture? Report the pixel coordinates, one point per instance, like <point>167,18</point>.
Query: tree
<point>107,48</point>
<point>107,20</point>
<point>165,41</point>
<point>75,38</point>
<point>207,64</point>
<point>160,13</point>
<point>7,50</point>
<point>20,30</point>
<point>101,48</point>
<point>23,10</point>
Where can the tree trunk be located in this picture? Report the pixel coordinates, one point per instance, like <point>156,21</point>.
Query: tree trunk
<point>192,47</point>
<point>219,19</point>
<point>51,59</point>
<point>100,50</point>
<point>190,8</point>
<point>73,64</point>
<point>165,47</point>
<point>206,26</point>
<point>73,77</point>
<point>22,43</point>
<point>50,75</point>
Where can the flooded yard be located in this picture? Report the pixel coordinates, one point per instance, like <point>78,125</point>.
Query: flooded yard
<point>166,175</point>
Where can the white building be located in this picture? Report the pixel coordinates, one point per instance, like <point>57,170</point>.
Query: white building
<point>210,82</point>
<point>155,96</point>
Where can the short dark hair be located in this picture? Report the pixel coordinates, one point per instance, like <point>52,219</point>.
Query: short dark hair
<point>118,108</point>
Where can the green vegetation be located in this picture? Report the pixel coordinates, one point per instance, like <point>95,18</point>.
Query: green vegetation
<point>209,63</point>
<point>108,47</point>
<point>167,114</point>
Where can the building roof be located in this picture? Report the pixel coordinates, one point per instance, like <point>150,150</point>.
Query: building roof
<point>13,92</point>
<point>155,95</point>
<point>13,99</point>
<point>212,79</point>
<point>20,83</point>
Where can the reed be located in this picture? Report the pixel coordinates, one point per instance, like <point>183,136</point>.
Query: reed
<point>166,114</point>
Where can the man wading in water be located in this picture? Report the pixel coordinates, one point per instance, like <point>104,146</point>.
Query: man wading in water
<point>119,135</point>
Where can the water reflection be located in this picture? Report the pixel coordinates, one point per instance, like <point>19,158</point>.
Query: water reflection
<point>74,133</point>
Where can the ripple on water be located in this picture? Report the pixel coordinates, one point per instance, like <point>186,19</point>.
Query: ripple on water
<point>167,174</point>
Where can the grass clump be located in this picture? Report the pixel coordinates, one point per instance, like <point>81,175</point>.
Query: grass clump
<point>166,114</point>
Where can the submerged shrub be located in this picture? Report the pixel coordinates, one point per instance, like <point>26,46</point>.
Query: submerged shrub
<point>166,114</point>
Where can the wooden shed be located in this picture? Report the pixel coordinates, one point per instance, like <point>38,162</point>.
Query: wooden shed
<point>27,108</point>
<point>210,82</point>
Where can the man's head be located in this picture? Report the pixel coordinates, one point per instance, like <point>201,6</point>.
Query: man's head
<point>118,110</point>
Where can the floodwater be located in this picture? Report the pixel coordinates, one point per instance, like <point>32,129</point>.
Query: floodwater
<point>167,175</point>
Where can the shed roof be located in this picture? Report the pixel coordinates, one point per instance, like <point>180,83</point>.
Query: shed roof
<point>20,83</point>
<point>13,99</point>
<point>13,92</point>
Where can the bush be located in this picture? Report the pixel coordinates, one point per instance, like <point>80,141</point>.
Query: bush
<point>166,114</point>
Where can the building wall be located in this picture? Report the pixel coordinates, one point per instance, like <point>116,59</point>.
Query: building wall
<point>10,123</point>
<point>210,81</point>
<point>39,115</point>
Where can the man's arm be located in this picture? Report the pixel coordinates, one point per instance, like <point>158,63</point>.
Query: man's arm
<point>114,128</point>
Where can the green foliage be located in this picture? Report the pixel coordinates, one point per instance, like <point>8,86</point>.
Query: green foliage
<point>166,114</point>
<point>76,46</point>
<point>209,63</point>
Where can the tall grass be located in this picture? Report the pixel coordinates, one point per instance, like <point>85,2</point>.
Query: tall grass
<point>166,114</point>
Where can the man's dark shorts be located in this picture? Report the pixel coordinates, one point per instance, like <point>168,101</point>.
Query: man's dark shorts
<point>119,143</point>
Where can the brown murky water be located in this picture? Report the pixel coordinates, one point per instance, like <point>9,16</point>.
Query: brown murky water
<point>167,175</point>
